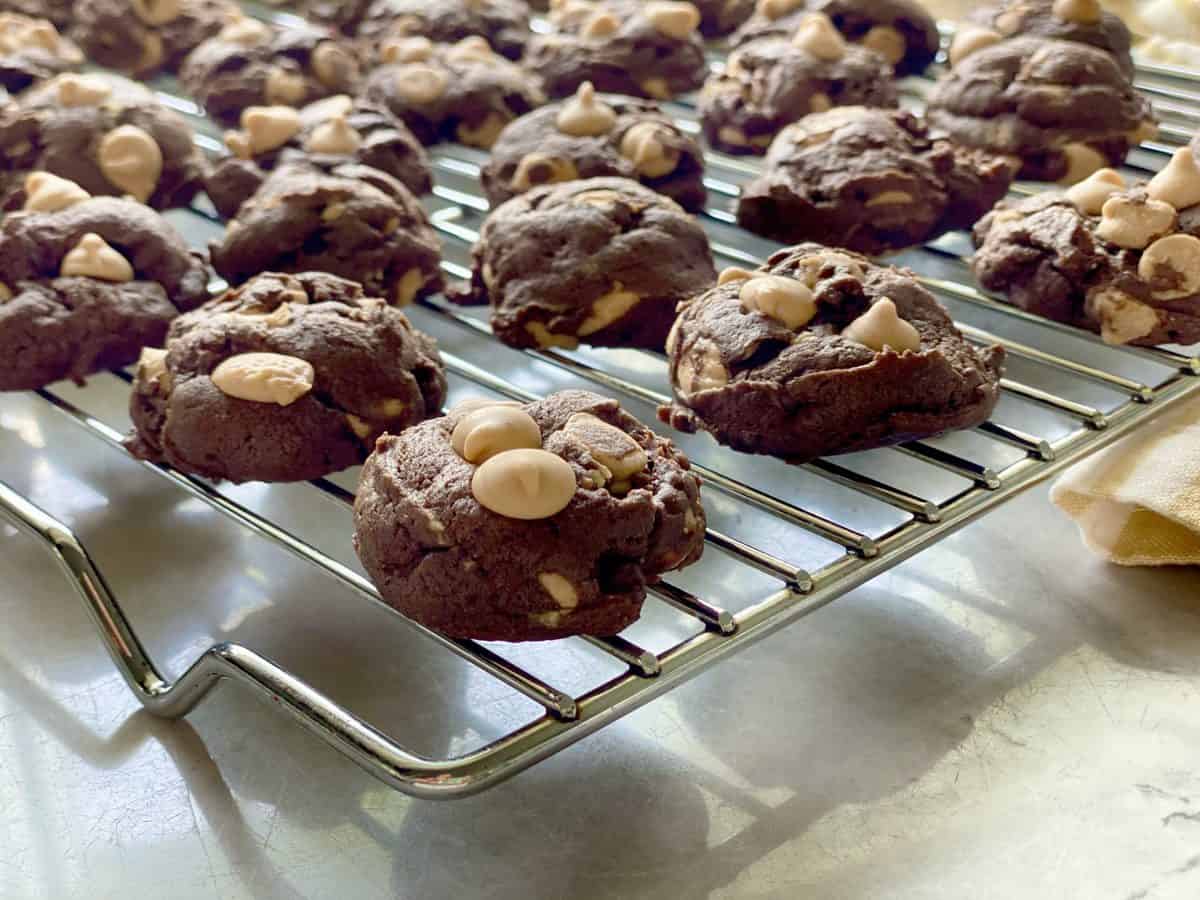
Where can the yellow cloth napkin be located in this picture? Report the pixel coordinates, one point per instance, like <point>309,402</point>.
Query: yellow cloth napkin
<point>1137,503</point>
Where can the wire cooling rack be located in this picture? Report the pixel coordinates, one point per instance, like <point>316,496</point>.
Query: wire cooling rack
<point>783,540</point>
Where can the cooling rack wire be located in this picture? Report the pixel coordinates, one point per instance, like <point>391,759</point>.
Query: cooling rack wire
<point>810,533</point>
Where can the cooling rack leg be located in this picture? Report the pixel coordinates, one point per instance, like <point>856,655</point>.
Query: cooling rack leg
<point>367,747</point>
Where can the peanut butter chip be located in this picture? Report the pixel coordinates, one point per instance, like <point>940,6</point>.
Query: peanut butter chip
<point>245,31</point>
<point>49,193</point>
<point>92,257</point>
<point>610,446</point>
<point>1122,318</point>
<point>970,39</point>
<point>284,87</point>
<point>484,134</point>
<point>819,37</point>
<point>1134,224</point>
<point>1082,12</point>
<point>334,136</point>
<point>887,42</point>
<point>131,159</point>
<point>157,12</point>
<point>607,308</point>
<point>642,144</point>
<point>481,434</point>
<point>539,168</point>
<point>152,365</point>
<point>473,403</point>
<point>880,327</point>
<point>6,293</point>
<point>600,25</point>
<point>585,116</point>
<point>777,9</point>
<point>558,587</point>
<point>420,83</point>
<point>473,49</point>
<point>701,369</point>
<point>82,90</point>
<point>1179,254</point>
<point>733,273</point>
<point>406,50</point>
<point>1082,161</point>
<point>1091,193</point>
<point>268,128</point>
<point>264,377</point>
<point>674,19</point>
<point>524,484</point>
<point>1179,181</point>
<point>782,299</point>
<point>332,64</point>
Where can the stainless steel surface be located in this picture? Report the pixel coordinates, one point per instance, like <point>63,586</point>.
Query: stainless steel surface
<point>784,541</point>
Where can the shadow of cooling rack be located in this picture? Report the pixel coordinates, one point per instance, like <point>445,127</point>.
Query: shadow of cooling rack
<point>783,540</point>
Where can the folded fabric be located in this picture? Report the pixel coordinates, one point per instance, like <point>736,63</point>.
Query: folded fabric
<point>1137,503</point>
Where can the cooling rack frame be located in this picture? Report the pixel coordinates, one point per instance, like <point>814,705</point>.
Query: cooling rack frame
<point>647,675</point>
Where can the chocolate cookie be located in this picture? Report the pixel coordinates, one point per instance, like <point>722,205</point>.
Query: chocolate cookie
<point>650,49</point>
<point>457,92</point>
<point>592,135</point>
<point>32,50</point>
<point>141,37</point>
<point>1082,21</point>
<point>252,64</point>
<point>872,180</point>
<point>286,378</point>
<point>504,24</point>
<point>332,132</point>
<point>604,261</point>
<point>57,11</point>
<point>719,17</point>
<point>357,222</point>
<point>104,132</point>
<point>902,31</point>
<point>1066,109</point>
<point>1121,260</point>
<point>523,523</point>
<point>86,282</point>
<point>821,352</point>
<point>772,82</point>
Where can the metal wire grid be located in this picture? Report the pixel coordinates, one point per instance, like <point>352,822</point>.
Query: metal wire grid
<point>1146,381</point>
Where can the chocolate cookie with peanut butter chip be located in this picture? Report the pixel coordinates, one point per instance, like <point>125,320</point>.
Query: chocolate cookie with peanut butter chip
<point>1122,260</point>
<point>643,49</point>
<point>504,24</point>
<point>771,82</point>
<point>141,37</point>
<point>602,261</point>
<point>1063,108</point>
<point>901,31</point>
<point>460,92</point>
<point>593,135</point>
<point>336,131</point>
<point>525,523</point>
<point>286,378</point>
<point>104,132</point>
<point>1082,21</point>
<point>250,63</point>
<point>86,282</point>
<point>356,222</point>
<point>821,352</point>
<point>32,50</point>
<point>871,180</point>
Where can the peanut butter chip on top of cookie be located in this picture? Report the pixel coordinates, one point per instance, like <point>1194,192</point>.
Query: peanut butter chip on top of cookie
<point>525,483</point>
<point>1134,223</point>
<point>652,157</point>
<point>421,83</point>
<point>970,39</point>
<point>1089,195</point>
<point>881,327</point>
<point>82,90</point>
<point>494,428</point>
<point>335,136</point>
<point>92,257</point>
<point>1081,12</point>
<point>818,36</point>
<point>1179,181</point>
<point>585,116</point>
<point>611,447</point>
<point>1179,255</point>
<point>265,377</point>
<point>785,300</point>
<point>157,12</point>
<point>674,19</point>
<point>45,192</point>
<point>777,9</point>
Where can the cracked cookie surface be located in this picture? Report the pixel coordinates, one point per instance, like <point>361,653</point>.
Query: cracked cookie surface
<point>602,261</point>
<point>871,180</point>
<point>819,352</point>
<point>286,378</point>
<point>605,505</point>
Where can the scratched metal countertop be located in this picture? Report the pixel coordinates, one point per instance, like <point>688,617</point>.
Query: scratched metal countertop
<point>1002,716</point>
